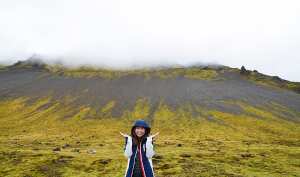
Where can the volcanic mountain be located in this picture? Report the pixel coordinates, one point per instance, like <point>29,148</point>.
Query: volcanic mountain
<point>213,120</point>
<point>111,93</point>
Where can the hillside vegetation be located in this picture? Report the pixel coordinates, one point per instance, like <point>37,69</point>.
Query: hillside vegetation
<point>213,120</point>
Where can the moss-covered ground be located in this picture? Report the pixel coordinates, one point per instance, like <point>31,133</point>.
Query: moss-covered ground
<point>241,146</point>
<point>273,81</point>
<point>200,72</point>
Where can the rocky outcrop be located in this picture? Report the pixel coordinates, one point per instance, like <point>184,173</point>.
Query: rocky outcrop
<point>244,71</point>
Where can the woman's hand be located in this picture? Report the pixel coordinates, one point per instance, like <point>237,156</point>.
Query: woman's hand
<point>153,136</point>
<point>125,135</point>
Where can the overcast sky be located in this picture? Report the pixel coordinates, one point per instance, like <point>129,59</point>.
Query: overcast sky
<point>259,34</point>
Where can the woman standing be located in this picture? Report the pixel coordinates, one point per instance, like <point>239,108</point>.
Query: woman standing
<point>139,150</point>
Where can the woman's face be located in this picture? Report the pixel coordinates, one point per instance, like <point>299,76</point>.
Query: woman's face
<point>140,131</point>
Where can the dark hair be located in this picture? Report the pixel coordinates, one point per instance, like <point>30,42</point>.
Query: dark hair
<point>138,140</point>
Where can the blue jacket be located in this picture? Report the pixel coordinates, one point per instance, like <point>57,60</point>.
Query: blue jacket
<point>145,150</point>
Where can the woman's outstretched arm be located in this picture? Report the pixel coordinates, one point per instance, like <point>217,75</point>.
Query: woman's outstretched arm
<point>149,146</point>
<point>128,145</point>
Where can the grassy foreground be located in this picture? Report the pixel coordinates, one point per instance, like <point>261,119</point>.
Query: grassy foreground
<point>238,145</point>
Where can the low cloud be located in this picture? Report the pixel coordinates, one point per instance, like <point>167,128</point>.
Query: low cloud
<point>260,35</point>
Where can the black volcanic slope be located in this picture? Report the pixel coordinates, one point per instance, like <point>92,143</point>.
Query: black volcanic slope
<point>97,91</point>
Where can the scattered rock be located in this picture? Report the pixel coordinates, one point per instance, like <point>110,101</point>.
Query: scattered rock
<point>157,156</point>
<point>64,147</point>
<point>185,155</point>
<point>101,162</point>
<point>75,150</point>
<point>78,142</point>
<point>101,144</point>
<point>48,144</point>
<point>68,145</point>
<point>56,149</point>
<point>218,150</point>
<point>92,151</point>
<point>249,143</point>
<point>179,145</point>
<point>36,149</point>
<point>39,142</point>
<point>263,154</point>
<point>14,142</point>
<point>20,144</point>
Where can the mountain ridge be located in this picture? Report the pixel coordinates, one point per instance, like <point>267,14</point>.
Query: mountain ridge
<point>175,85</point>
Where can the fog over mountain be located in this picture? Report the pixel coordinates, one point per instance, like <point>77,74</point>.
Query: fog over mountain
<point>262,35</point>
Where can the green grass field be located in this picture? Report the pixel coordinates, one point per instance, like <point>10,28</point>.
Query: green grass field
<point>208,148</point>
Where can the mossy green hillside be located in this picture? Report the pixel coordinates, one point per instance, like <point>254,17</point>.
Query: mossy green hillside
<point>206,73</point>
<point>213,143</point>
<point>26,65</point>
<point>199,72</point>
<point>273,81</point>
<point>108,74</point>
